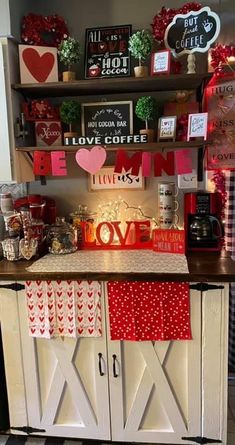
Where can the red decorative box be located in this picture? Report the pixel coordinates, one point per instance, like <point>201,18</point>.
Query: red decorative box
<point>48,133</point>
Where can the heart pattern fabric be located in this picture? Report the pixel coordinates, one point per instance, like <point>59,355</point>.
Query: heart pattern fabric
<point>64,308</point>
<point>39,66</point>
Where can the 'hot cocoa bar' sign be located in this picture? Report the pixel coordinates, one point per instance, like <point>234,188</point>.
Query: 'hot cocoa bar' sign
<point>192,32</point>
<point>107,53</point>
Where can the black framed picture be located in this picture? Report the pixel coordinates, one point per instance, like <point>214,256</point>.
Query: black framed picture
<point>107,120</point>
<point>106,52</point>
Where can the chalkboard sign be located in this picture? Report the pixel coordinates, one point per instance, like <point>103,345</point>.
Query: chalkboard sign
<point>106,52</point>
<point>107,119</point>
<point>192,32</point>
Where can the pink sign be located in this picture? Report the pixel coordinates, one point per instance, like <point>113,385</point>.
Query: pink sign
<point>169,240</point>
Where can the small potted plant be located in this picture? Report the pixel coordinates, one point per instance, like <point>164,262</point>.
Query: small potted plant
<point>70,112</point>
<point>69,54</point>
<point>146,110</point>
<point>140,46</point>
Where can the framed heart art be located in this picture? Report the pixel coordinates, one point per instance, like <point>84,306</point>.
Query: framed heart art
<point>38,64</point>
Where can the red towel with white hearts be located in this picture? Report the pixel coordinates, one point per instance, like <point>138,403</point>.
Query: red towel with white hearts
<point>149,310</point>
<point>63,308</point>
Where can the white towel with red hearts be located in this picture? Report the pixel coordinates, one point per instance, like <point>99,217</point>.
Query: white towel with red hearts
<point>68,308</point>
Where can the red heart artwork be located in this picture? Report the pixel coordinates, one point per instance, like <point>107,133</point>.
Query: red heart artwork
<point>91,160</point>
<point>39,66</point>
<point>48,133</point>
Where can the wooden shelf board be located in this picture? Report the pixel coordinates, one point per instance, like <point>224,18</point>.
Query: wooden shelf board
<point>129,147</point>
<point>93,87</point>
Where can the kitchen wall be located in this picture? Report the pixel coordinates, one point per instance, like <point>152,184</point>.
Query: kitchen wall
<point>69,192</point>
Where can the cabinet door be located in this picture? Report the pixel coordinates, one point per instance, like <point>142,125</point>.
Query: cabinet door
<point>156,396</point>
<point>65,393</point>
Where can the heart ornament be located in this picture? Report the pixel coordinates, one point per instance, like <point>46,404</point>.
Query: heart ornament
<point>91,160</point>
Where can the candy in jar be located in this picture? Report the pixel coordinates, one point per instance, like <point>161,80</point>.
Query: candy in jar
<point>61,238</point>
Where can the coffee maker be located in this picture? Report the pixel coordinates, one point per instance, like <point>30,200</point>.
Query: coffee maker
<point>203,227</point>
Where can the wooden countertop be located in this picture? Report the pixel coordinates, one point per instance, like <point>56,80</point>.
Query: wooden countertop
<point>203,267</point>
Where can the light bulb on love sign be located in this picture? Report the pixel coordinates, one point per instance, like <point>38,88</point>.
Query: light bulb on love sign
<point>91,160</point>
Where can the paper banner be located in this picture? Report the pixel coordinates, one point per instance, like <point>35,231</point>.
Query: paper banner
<point>58,163</point>
<point>91,160</point>
<point>164,163</point>
<point>42,163</point>
<point>183,162</point>
<point>131,164</point>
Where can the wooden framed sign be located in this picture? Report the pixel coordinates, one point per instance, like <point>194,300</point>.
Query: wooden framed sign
<point>192,32</point>
<point>197,125</point>
<point>167,128</point>
<point>160,62</point>
<point>107,119</point>
<point>107,179</point>
<point>106,52</point>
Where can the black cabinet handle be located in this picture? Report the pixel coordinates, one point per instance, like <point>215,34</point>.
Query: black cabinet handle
<point>100,364</point>
<point>114,365</point>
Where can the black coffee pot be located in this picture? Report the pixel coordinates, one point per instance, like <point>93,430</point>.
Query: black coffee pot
<point>205,228</point>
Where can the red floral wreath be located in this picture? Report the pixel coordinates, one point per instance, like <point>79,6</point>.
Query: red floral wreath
<point>166,15</point>
<point>35,28</point>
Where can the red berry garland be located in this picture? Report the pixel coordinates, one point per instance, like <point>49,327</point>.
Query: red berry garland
<point>166,15</point>
<point>35,27</point>
<point>220,55</point>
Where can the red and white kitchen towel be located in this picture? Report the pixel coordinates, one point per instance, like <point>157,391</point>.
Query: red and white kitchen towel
<point>149,310</point>
<point>64,308</point>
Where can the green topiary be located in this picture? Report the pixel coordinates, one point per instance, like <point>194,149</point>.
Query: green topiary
<point>70,112</point>
<point>146,109</point>
<point>69,52</point>
<point>140,45</point>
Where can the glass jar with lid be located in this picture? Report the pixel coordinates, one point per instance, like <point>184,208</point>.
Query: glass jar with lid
<point>61,238</point>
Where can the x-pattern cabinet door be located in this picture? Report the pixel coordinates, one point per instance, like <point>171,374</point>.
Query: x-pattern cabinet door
<point>155,387</point>
<point>66,395</point>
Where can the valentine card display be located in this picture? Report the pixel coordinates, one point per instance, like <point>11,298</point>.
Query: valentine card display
<point>107,179</point>
<point>63,308</point>
<point>141,311</point>
<point>220,103</point>
<point>192,32</point>
<point>38,64</point>
<point>167,128</point>
<point>106,52</point>
<point>107,119</point>
<point>48,133</point>
<point>170,240</point>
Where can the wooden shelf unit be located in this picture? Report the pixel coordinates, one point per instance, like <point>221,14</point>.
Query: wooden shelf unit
<point>92,87</point>
<point>153,146</point>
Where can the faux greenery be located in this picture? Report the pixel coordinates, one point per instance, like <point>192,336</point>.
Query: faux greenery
<point>69,52</point>
<point>70,112</point>
<point>140,45</point>
<point>146,109</point>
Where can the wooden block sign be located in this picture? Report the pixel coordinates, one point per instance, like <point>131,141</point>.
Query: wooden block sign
<point>106,52</point>
<point>107,179</point>
<point>169,240</point>
<point>38,64</point>
<point>107,119</point>
<point>48,133</point>
<point>167,128</point>
<point>197,125</point>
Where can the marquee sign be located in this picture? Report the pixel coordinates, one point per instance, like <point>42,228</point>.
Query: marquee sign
<point>192,32</point>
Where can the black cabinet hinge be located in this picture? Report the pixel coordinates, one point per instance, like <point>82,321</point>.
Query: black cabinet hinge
<point>27,429</point>
<point>202,287</point>
<point>201,440</point>
<point>13,286</point>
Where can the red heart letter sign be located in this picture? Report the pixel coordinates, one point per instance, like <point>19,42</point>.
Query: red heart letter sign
<point>91,160</point>
<point>48,132</point>
<point>38,66</point>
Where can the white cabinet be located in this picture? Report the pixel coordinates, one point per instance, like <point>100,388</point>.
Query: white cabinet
<point>14,166</point>
<point>157,392</point>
